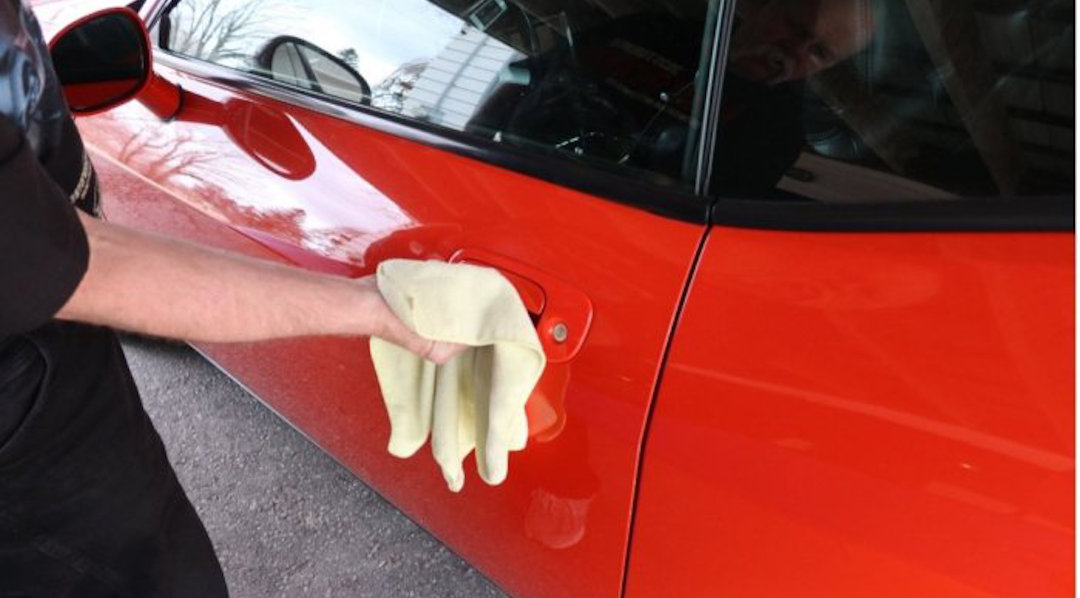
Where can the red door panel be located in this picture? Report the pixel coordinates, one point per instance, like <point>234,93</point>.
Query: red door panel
<point>865,415</point>
<point>277,181</point>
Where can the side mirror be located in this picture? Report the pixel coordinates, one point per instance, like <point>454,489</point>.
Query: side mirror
<point>102,60</point>
<point>302,64</point>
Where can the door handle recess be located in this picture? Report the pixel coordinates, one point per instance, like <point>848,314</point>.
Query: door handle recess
<point>562,313</point>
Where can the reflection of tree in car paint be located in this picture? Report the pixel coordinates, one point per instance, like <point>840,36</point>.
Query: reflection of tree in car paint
<point>159,157</point>
<point>203,173</point>
<point>179,162</point>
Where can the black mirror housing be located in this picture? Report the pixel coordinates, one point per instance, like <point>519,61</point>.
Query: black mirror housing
<point>102,60</point>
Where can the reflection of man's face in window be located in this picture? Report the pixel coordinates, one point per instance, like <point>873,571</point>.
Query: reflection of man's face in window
<point>787,40</point>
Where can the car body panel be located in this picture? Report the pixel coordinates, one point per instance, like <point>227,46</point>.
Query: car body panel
<point>255,175</point>
<point>837,413</point>
<point>865,414</point>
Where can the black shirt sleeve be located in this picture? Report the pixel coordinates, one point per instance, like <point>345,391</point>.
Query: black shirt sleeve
<point>43,247</point>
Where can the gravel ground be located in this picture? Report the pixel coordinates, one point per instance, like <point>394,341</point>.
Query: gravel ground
<point>286,519</point>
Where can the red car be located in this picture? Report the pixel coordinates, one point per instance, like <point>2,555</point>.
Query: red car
<point>803,270</point>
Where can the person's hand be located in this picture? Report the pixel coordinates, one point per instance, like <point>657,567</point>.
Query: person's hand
<point>386,325</point>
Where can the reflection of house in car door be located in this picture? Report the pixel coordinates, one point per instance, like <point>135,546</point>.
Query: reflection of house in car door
<point>458,79</point>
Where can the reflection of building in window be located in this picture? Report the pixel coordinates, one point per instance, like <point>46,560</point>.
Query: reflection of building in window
<point>457,81</point>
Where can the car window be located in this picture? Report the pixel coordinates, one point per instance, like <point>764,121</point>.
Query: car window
<point>879,101</point>
<point>612,83</point>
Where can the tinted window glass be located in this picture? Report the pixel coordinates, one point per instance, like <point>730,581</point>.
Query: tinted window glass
<point>614,83</point>
<point>874,100</point>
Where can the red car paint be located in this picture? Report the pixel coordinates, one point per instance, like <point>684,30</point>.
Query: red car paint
<point>838,414</point>
<point>865,414</point>
<point>371,196</point>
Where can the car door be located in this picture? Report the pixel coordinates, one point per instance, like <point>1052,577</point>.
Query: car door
<point>333,136</point>
<point>871,387</point>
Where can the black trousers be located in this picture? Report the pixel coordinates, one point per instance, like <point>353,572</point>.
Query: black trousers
<point>89,505</point>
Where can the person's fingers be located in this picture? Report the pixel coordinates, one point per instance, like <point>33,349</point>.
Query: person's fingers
<point>436,351</point>
<point>441,352</point>
<point>389,327</point>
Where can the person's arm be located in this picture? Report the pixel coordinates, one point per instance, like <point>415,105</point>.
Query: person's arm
<point>155,285</point>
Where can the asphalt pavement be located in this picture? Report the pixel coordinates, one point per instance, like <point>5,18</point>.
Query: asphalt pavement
<point>287,521</point>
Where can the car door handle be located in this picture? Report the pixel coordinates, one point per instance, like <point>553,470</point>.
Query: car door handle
<point>532,294</point>
<point>562,314</point>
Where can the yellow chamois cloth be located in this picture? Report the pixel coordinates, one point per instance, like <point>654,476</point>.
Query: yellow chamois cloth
<point>476,400</point>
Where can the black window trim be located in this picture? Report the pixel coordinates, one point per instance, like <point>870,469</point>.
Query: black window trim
<point>718,54</point>
<point>1020,214</point>
<point>995,214</point>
